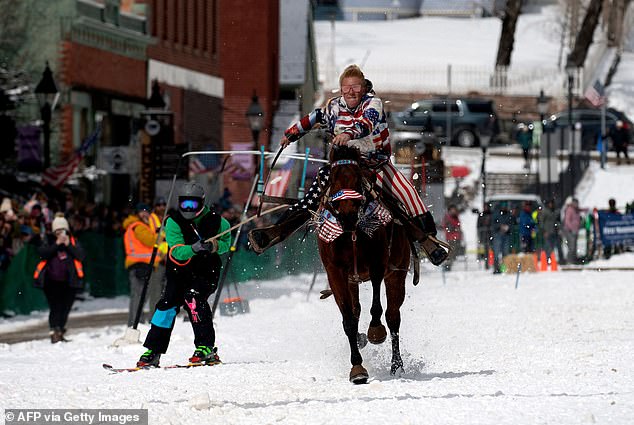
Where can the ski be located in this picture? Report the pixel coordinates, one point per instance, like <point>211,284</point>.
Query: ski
<point>112,369</point>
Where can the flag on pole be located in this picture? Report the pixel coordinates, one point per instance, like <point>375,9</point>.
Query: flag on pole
<point>196,166</point>
<point>596,94</point>
<point>57,176</point>
<point>280,178</point>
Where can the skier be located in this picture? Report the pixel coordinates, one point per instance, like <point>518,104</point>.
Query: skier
<point>192,270</point>
<point>354,119</point>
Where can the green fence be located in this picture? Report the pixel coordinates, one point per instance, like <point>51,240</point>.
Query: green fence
<point>107,277</point>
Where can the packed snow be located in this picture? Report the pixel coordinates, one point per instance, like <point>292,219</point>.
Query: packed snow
<point>558,349</point>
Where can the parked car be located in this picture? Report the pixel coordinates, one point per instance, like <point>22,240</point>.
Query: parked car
<point>590,120</point>
<point>469,118</point>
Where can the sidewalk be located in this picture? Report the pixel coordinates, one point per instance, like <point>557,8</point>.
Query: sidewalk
<point>75,324</point>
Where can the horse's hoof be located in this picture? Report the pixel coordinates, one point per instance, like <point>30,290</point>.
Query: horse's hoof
<point>377,334</point>
<point>397,370</point>
<point>362,340</point>
<point>358,375</point>
<point>325,294</point>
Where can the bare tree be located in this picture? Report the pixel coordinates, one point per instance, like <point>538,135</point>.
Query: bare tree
<point>507,36</point>
<point>584,38</point>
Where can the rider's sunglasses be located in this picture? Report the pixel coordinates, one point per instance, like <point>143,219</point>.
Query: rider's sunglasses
<point>347,89</point>
<point>189,205</point>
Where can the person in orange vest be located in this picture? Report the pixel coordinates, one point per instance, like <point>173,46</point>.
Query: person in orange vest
<point>138,240</point>
<point>157,280</point>
<point>60,274</point>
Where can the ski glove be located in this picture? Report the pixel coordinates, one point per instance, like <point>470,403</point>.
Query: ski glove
<point>201,246</point>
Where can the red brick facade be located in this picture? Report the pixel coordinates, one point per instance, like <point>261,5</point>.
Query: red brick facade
<point>249,61</point>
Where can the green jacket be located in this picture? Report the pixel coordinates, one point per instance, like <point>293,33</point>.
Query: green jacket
<point>183,252</point>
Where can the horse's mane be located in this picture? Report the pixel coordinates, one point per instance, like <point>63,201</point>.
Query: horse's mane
<point>345,152</point>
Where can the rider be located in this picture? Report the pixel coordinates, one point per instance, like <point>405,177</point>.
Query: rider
<point>192,270</point>
<point>354,119</point>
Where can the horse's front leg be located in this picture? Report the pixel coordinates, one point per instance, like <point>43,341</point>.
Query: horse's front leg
<point>347,306</point>
<point>376,330</point>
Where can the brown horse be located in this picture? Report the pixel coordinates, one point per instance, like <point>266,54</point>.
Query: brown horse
<point>354,257</point>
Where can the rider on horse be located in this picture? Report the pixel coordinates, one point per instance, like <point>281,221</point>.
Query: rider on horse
<point>354,119</point>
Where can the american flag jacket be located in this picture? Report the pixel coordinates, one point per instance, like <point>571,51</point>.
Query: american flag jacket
<point>366,124</point>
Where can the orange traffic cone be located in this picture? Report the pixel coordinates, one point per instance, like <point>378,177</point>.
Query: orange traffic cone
<point>536,262</point>
<point>490,258</point>
<point>543,262</point>
<point>553,262</point>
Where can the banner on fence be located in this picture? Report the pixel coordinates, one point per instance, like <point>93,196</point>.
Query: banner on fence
<point>616,228</point>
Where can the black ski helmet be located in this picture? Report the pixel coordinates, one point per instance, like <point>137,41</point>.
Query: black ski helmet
<point>191,200</point>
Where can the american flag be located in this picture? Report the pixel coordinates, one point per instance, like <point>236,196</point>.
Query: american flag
<point>346,194</point>
<point>280,178</point>
<point>596,93</point>
<point>330,229</point>
<point>57,176</point>
<point>196,166</point>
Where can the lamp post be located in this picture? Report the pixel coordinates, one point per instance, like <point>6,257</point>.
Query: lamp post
<point>570,70</point>
<point>255,115</point>
<point>484,144</point>
<point>45,91</point>
<point>542,108</point>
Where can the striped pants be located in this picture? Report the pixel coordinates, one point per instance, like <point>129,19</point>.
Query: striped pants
<point>389,179</point>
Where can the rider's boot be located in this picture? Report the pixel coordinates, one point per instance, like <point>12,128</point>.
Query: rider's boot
<point>264,238</point>
<point>428,242</point>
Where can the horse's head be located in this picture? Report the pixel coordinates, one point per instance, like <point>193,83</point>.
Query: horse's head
<point>346,185</point>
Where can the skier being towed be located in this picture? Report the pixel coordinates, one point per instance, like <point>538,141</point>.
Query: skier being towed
<point>192,270</point>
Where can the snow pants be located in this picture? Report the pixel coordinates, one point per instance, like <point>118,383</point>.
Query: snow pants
<point>60,297</point>
<point>192,295</point>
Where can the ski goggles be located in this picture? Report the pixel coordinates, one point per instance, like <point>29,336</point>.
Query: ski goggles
<point>190,205</point>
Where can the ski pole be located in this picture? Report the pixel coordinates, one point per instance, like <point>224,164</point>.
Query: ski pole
<point>146,283</point>
<point>233,248</point>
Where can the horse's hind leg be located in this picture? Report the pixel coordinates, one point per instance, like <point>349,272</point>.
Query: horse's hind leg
<point>395,290</point>
<point>376,331</point>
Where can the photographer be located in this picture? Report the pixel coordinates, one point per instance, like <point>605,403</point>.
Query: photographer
<point>60,274</point>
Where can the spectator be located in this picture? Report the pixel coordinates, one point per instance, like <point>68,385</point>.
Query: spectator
<point>157,280</point>
<point>620,139</point>
<point>527,228</point>
<point>138,241</point>
<point>570,228</point>
<point>608,250</point>
<point>525,139</point>
<point>502,224</point>
<point>453,234</point>
<point>548,224</point>
<point>60,274</point>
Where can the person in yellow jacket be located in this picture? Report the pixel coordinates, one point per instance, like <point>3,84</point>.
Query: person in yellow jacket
<point>138,240</point>
<point>157,280</point>
<point>60,274</point>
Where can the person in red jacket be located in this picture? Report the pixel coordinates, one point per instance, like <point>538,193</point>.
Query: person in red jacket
<point>453,233</point>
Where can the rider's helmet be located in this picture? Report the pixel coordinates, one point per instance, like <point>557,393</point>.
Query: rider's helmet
<point>191,200</point>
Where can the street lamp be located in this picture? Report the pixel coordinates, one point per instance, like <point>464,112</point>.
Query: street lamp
<point>45,91</point>
<point>484,144</point>
<point>542,108</point>
<point>571,70</point>
<point>255,115</point>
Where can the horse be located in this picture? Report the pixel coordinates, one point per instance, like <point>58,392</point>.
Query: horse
<point>354,257</point>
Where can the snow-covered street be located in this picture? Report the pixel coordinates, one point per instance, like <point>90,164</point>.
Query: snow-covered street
<point>557,350</point>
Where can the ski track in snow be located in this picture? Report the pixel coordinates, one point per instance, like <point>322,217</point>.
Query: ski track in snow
<point>559,349</point>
